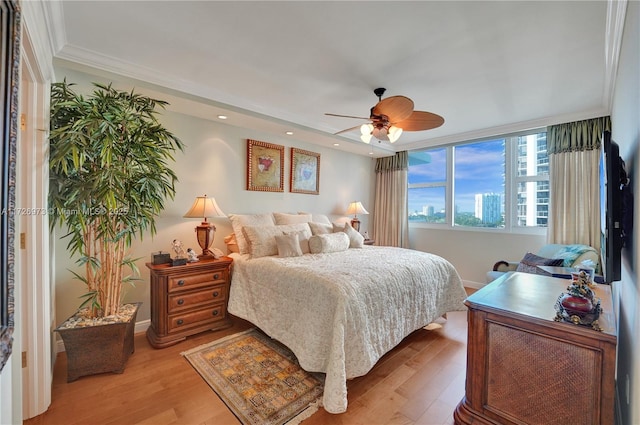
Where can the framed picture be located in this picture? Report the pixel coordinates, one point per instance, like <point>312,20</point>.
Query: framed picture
<point>265,166</point>
<point>305,172</point>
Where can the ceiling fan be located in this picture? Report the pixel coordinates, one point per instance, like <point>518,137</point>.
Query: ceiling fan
<point>390,117</point>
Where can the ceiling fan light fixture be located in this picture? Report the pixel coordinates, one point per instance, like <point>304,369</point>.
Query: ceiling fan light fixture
<point>380,132</point>
<point>366,131</point>
<point>394,133</point>
<point>366,138</point>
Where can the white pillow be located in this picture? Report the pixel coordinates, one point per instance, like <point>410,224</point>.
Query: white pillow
<point>320,228</point>
<point>303,238</point>
<point>283,218</point>
<point>288,245</point>
<point>332,242</point>
<point>261,239</point>
<point>318,218</point>
<point>356,240</point>
<point>238,221</point>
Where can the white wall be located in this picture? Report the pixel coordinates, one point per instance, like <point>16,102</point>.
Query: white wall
<point>625,118</point>
<point>473,253</point>
<point>214,163</point>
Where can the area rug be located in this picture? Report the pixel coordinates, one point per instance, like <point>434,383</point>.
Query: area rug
<point>258,378</point>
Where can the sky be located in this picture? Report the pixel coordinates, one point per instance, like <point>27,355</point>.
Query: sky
<point>479,168</point>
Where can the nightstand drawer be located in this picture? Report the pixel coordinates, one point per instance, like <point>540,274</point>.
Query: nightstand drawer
<point>197,280</point>
<point>178,322</point>
<point>189,300</point>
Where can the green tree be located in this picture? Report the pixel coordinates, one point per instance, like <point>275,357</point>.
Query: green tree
<point>109,179</point>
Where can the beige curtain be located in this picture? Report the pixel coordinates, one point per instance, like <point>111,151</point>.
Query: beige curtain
<point>391,222</point>
<point>574,204</point>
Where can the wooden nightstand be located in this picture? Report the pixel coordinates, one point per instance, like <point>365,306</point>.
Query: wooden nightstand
<point>188,299</point>
<point>369,242</point>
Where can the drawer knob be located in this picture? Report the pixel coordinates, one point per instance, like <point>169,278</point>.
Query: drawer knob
<point>180,321</point>
<point>214,312</point>
<point>181,282</point>
<point>215,294</point>
<point>216,276</point>
<point>180,301</point>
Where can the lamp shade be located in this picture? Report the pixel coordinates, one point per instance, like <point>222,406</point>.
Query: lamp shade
<point>204,207</point>
<point>356,208</point>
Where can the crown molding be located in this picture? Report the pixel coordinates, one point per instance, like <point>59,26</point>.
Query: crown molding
<point>506,129</point>
<point>616,13</point>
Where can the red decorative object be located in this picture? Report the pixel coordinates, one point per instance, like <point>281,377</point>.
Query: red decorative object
<point>574,304</point>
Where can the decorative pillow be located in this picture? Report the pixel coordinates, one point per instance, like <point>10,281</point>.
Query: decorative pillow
<point>238,221</point>
<point>331,242</point>
<point>530,263</point>
<point>570,253</point>
<point>303,238</point>
<point>288,245</point>
<point>232,244</point>
<point>320,228</point>
<point>318,218</point>
<point>356,240</point>
<point>283,218</point>
<point>261,239</point>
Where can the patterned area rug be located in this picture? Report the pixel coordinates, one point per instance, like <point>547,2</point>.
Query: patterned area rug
<point>258,378</point>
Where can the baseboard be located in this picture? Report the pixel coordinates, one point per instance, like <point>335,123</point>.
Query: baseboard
<point>472,284</point>
<point>141,326</point>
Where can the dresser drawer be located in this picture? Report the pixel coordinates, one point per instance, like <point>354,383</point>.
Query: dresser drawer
<point>178,322</point>
<point>189,300</point>
<point>197,280</point>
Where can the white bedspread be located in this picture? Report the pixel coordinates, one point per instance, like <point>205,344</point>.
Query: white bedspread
<point>340,312</point>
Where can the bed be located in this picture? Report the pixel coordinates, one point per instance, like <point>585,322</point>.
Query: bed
<point>340,312</point>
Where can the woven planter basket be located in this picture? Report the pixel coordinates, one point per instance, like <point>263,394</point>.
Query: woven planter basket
<point>98,349</point>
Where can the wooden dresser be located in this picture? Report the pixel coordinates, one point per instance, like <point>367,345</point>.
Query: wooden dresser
<point>525,368</point>
<point>188,299</point>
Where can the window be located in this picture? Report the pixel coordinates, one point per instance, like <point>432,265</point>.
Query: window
<point>427,186</point>
<point>501,183</point>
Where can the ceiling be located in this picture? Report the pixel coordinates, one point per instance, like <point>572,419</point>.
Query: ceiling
<point>487,67</point>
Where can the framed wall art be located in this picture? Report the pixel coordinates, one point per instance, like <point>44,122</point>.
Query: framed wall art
<point>265,166</point>
<point>305,172</point>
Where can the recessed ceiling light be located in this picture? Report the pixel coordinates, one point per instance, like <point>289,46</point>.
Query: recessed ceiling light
<point>289,133</point>
<point>222,117</point>
<point>336,144</point>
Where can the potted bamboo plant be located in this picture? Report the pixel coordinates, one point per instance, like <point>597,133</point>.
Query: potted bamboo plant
<point>109,179</point>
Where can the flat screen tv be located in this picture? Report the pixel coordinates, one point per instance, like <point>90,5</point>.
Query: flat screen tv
<point>612,181</point>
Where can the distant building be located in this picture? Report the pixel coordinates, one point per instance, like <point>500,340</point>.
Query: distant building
<point>533,196</point>
<point>487,208</point>
<point>428,210</point>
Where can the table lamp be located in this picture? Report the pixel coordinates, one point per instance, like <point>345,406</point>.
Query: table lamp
<point>204,207</point>
<point>356,208</point>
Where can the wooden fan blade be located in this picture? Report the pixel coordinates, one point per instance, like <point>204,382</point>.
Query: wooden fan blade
<point>420,120</point>
<point>397,108</point>
<point>347,116</point>
<point>348,129</point>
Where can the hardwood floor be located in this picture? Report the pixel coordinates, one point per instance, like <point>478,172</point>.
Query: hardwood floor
<point>419,382</point>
